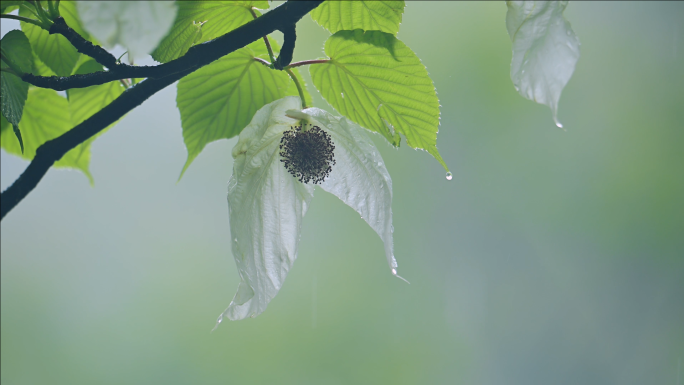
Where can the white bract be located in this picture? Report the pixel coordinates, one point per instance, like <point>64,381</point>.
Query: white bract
<point>267,204</point>
<point>138,26</point>
<point>545,50</point>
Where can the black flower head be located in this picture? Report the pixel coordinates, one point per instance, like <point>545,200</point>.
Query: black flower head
<point>308,155</point>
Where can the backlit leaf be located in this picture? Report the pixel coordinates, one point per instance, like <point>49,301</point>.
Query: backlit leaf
<point>46,116</point>
<point>53,50</point>
<point>382,16</point>
<point>219,18</point>
<point>379,83</point>
<point>218,100</point>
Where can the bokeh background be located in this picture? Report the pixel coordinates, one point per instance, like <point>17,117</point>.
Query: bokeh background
<point>552,257</point>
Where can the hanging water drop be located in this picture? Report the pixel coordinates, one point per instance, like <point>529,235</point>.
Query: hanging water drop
<point>449,175</point>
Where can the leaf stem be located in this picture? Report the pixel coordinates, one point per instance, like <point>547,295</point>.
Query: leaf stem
<point>22,18</point>
<point>268,45</point>
<point>262,61</point>
<point>306,62</point>
<point>299,86</point>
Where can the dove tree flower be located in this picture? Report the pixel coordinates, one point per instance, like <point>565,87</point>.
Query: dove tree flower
<point>233,79</point>
<point>267,202</point>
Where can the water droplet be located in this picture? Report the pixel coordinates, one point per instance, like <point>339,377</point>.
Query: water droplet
<point>523,72</point>
<point>449,176</point>
<point>379,164</point>
<point>342,93</point>
<point>394,271</point>
<point>391,228</point>
<point>517,88</point>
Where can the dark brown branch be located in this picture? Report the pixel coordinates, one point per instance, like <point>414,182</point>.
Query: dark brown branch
<point>82,45</point>
<point>198,56</point>
<point>285,55</point>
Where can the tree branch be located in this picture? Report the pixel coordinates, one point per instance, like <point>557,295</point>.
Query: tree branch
<point>200,55</point>
<point>285,55</point>
<point>84,46</point>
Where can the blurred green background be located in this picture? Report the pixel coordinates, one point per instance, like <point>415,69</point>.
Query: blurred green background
<point>552,257</point>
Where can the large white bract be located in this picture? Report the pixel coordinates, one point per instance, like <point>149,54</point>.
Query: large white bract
<point>545,50</point>
<point>267,204</point>
<point>138,26</point>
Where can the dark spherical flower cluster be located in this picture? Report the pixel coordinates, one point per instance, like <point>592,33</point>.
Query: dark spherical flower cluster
<point>307,155</point>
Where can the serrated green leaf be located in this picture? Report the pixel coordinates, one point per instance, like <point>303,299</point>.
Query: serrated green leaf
<point>138,26</point>
<point>177,47</point>
<point>221,17</point>
<point>13,91</point>
<point>53,50</point>
<point>378,82</point>
<point>382,16</point>
<point>16,47</point>
<point>46,116</point>
<point>218,100</point>
<point>545,50</point>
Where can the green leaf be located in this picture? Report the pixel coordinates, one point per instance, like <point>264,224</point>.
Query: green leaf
<point>378,82</point>
<point>221,17</point>
<point>16,47</point>
<point>9,6</point>
<point>545,50</point>
<point>84,102</point>
<point>266,207</point>
<point>218,100</point>
<point>138,26</point>
<point>14,91</point>
<point>382,16</point>
<point>177,47</point>
<point>53,50</point>
<point>40,69</point>
<point>46,116</point>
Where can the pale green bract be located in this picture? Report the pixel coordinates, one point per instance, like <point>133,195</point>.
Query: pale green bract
<point>375,15</point>
<point>545,50</point>
<point>267,204</point>
<point>138,26</point>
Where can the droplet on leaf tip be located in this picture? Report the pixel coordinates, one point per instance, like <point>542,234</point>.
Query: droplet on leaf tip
<point>449,175</point>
